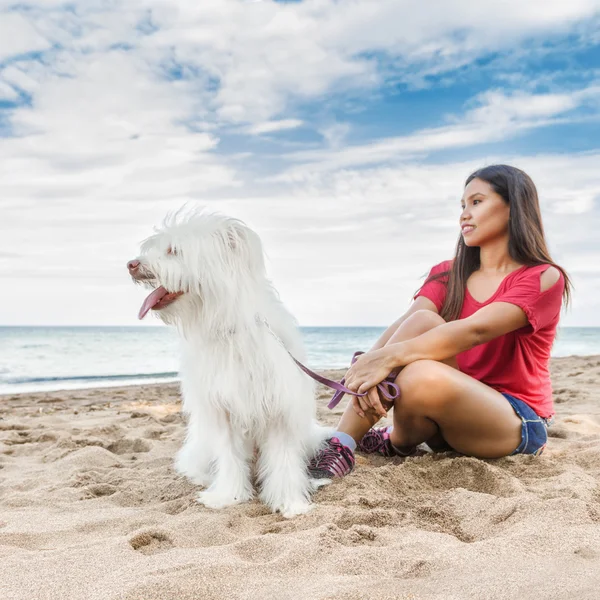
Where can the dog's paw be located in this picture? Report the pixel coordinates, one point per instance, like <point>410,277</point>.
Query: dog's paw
<point>191,471</point>
<point>216,500</point>
<point>201,479</point>
<point>293,509</point>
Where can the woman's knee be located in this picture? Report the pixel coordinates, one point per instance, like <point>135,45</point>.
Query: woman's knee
<point>419,373</point>
<point>424,382</point>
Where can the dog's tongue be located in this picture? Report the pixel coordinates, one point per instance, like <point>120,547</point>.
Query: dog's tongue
<point>153,299</point>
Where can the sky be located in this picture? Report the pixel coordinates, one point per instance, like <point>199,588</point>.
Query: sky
<point>342,132</point>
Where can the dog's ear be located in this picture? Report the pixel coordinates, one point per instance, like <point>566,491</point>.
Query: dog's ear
<point>232,240</point>
<point>236,235</point>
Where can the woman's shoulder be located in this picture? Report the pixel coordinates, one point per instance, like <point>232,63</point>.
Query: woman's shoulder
<point>541,277</point>
<point>445,265</point>
<point>545,271</point>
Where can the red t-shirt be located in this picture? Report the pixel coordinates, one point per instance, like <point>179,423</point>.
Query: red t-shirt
<point>515,363</point>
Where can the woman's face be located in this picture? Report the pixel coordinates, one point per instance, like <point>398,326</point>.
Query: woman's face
<point>484,217</point>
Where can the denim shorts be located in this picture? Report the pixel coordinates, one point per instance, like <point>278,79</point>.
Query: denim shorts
<point>534,432</point>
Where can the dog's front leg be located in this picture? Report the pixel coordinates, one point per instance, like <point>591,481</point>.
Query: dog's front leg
<point>282,471</point>
<point>231,483</point>
<point>196,457</point>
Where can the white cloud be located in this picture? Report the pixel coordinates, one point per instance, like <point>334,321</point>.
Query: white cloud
<point>7,92</point>
<point>109,131</point>
<point>272,126</point>
<point>348,247</point>
<point>496,116</point>
<point>335,133</point>
<point>122,126</point>
<point>498,106</point>
<point>19,36</point>
<point>265,54</point>
<point>249,61</point>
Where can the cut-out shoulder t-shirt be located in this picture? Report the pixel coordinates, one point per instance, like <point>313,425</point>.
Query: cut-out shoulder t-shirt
<point>516,363</point>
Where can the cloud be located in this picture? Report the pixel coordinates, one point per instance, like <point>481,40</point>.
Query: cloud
<point>19,36</point>
<point>248,62</point>
<point>348,247</point>
<point>7,92</point>
<point>494,116</point>
<point>265,55</point>
<point>109,131</point>
<point>113,117</point>
<point>272,126</point>
<point>335,133</point>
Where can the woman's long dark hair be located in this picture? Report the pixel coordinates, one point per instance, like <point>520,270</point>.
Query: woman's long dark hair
<point>526,241</point>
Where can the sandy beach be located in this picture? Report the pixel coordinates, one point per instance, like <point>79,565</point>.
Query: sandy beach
<point>91,508</point>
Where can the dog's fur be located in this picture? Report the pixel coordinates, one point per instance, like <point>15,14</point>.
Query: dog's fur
<point>242,393</point>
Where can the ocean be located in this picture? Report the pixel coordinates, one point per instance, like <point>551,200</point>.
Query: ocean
<point>63,358</point>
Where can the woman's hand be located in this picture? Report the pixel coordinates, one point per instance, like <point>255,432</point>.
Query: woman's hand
<point>369,369</point>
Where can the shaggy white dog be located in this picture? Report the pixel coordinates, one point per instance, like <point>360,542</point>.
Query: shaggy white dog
<point>243,394</point>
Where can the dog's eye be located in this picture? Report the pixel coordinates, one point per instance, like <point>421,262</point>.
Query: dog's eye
<point>171,250</point>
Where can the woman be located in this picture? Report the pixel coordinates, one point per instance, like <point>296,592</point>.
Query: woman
<point>472,351</point>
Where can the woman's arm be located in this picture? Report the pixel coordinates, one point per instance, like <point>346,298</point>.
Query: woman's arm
<point>450,339</point>
<point>421,303</point>
<point>439,343</point>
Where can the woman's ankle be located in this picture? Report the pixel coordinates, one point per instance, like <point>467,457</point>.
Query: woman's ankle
<point>345,439</point>
<point>404,450</point>
<point>399,449</point>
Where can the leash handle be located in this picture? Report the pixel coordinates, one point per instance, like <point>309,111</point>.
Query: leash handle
<point>389,389</point>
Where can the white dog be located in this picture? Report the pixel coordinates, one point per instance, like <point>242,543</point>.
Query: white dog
<point>242,391</point>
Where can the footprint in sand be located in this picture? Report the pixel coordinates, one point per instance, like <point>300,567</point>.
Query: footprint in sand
<point>16,437</point>
<point>170,418</point>
<point>373,518</point>
<point>357,535</point>
<point>12,427</point>
<point>127,446</point>
<point>587,552</point>
<point>151,542</point>
<point>101,489</point>
<point>257,510</point>
<point>174,507</point>
<point>574,374</point>
<point>136,414</point>
<point>557,432</point>
<point>155,433</point>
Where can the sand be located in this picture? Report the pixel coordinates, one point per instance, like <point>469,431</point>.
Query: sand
<point>91,508</point>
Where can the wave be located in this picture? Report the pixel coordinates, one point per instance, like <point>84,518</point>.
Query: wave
<point>66,379</point>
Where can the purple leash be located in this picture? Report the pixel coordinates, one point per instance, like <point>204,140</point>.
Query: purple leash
<point>388,388</point>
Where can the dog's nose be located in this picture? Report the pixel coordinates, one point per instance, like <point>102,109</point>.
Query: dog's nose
<point>132,265</point>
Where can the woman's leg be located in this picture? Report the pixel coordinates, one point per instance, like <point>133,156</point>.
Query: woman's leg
<point>417,324</point>
<point>438,404</point>
<point>472,417</point>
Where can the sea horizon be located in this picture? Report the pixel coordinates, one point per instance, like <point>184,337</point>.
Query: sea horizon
<point>38,358</point>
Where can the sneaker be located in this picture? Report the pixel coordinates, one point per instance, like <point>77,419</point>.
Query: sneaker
<point>377,441</point>
<point>335,460</point>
